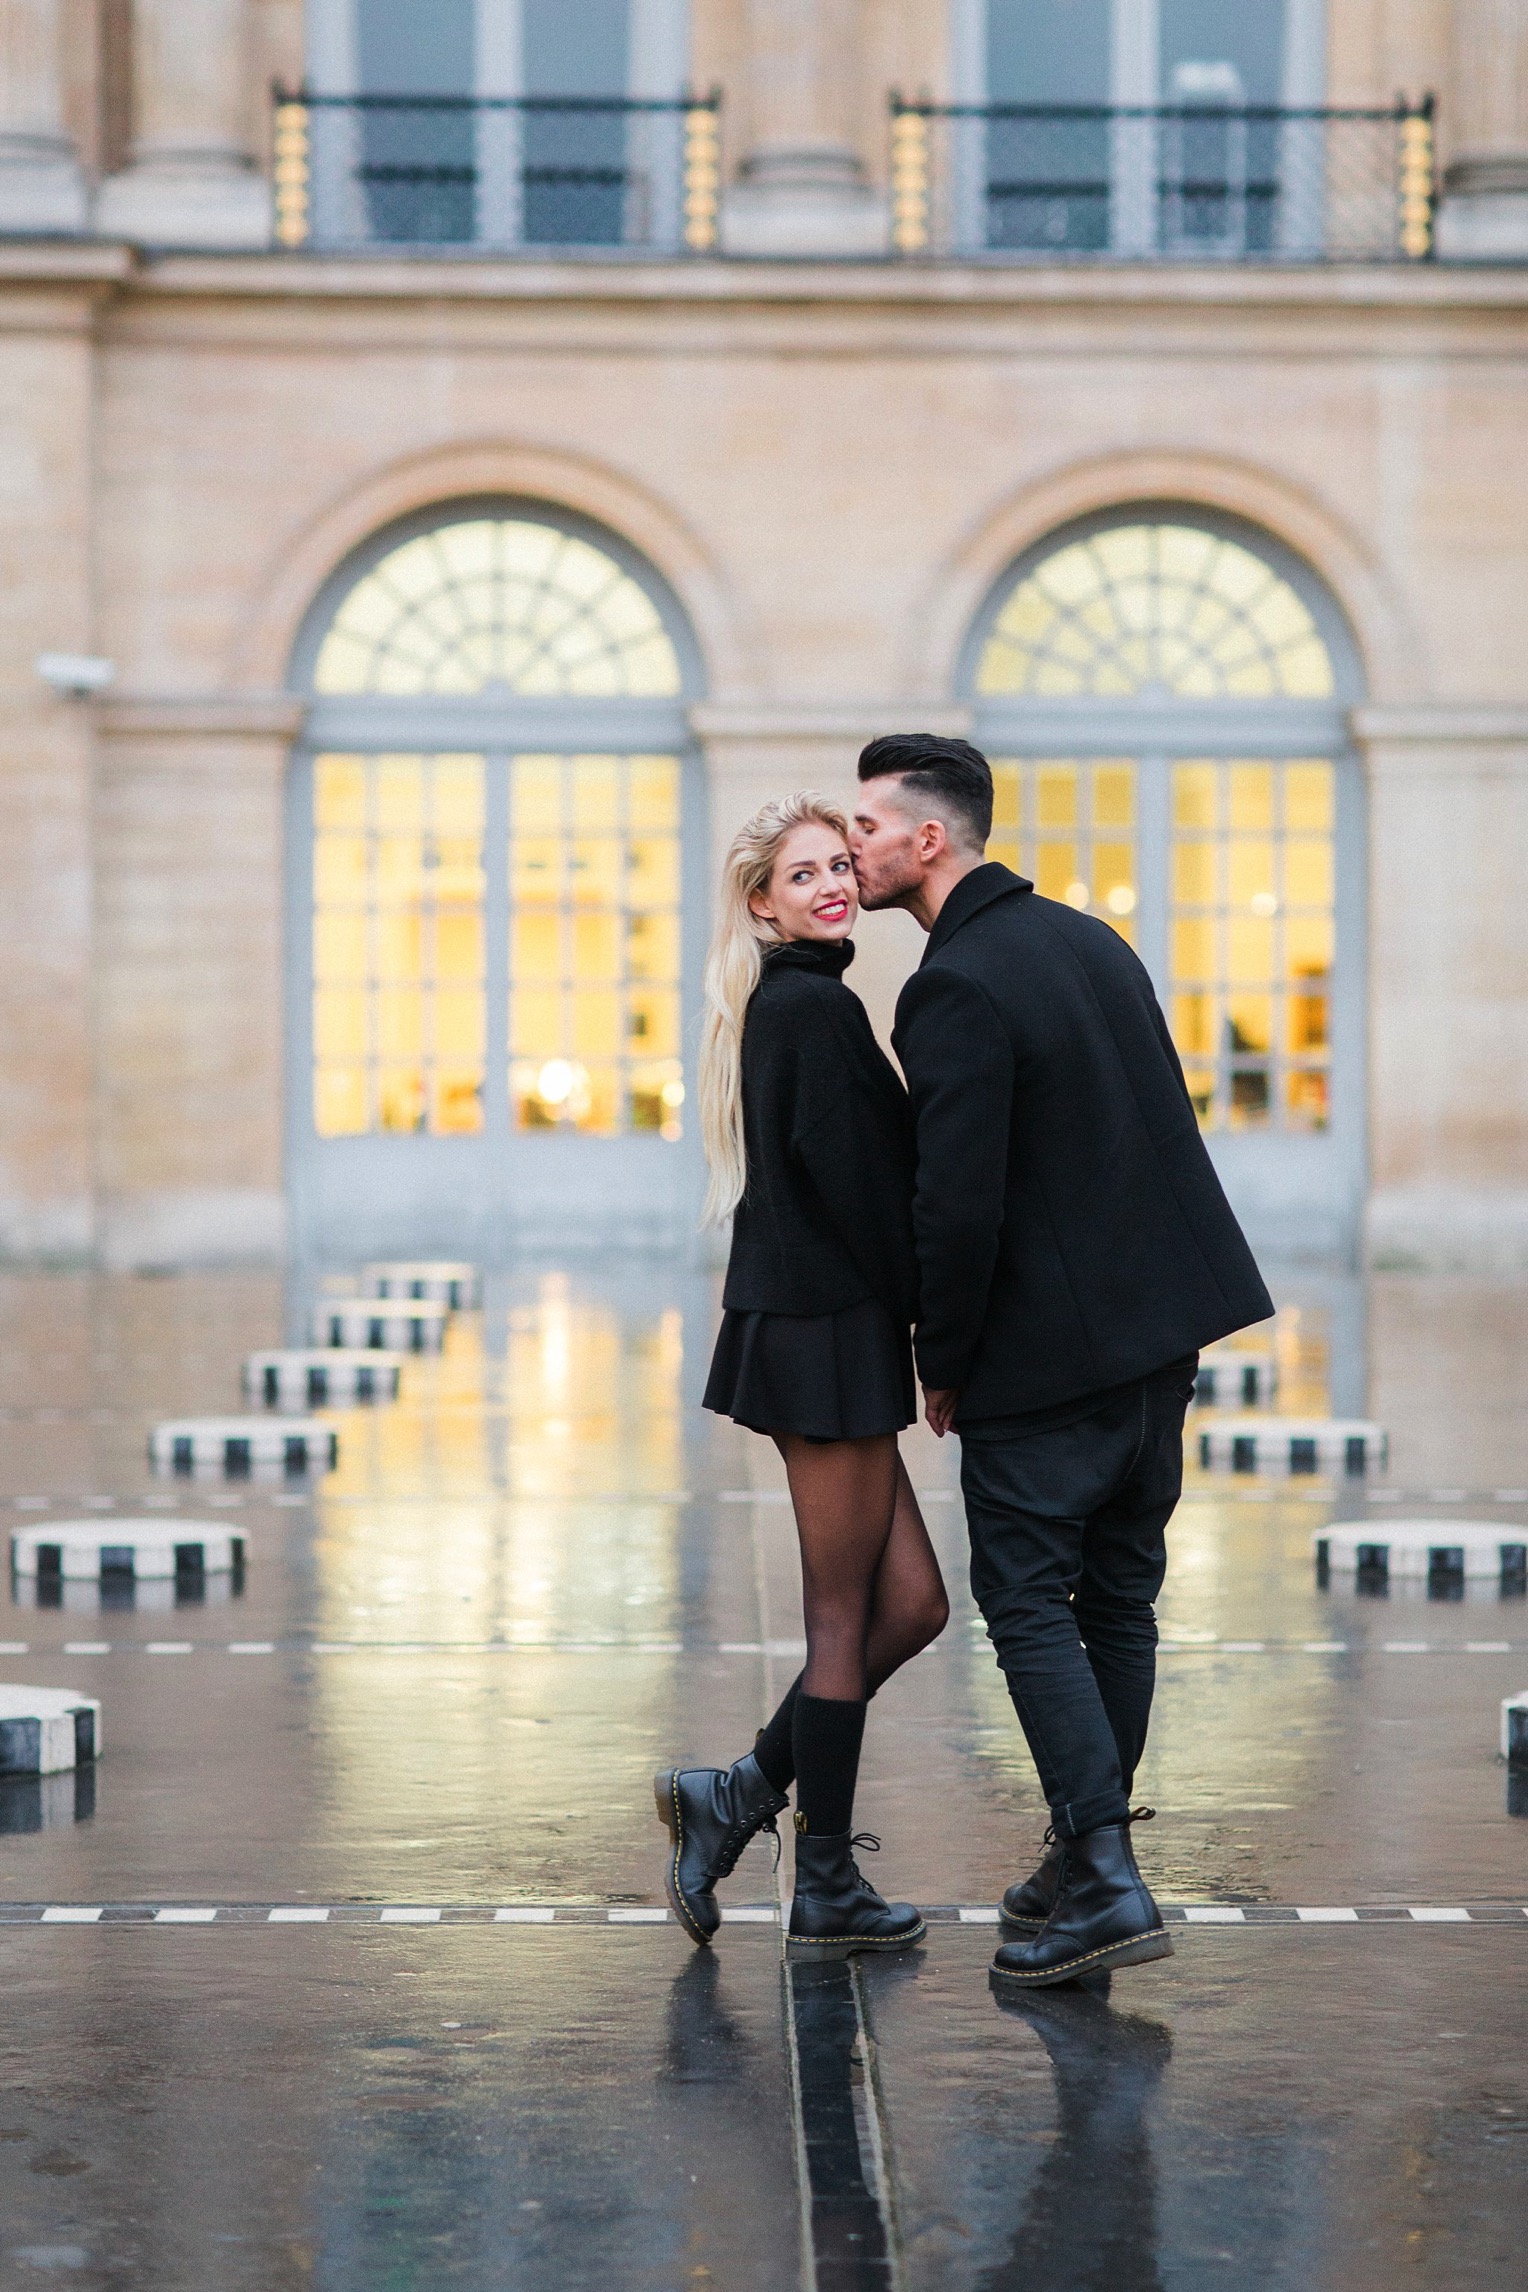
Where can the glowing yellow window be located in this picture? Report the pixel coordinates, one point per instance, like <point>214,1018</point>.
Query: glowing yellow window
<point>1070,827</point>
<point>399,1018</point>
<point>1252,939</point>
<point>594,870</point>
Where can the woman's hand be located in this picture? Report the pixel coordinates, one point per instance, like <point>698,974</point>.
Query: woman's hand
<point>939,1408</point>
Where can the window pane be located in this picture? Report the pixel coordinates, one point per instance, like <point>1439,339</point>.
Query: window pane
<point>595,944</point>
<point>1252,939</point>
<point>399,1019</point>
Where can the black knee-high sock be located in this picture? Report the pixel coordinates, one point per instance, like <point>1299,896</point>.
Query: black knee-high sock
<point>826,1735</point>
<point>772,1748</point>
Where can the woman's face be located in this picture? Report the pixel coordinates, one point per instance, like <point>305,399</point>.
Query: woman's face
<point>810,893</point>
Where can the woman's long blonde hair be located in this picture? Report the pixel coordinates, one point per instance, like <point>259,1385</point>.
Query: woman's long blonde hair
<point>738,947</point>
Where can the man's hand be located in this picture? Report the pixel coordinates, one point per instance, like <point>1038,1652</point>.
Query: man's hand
<point>939,1408</point>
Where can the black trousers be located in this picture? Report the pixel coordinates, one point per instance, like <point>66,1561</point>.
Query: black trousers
<point>1068,1515</point>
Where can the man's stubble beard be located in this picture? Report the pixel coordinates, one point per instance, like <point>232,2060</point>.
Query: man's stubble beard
<point>888,890</point>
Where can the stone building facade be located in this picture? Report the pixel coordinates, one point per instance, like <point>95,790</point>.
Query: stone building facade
<point>462,586</point>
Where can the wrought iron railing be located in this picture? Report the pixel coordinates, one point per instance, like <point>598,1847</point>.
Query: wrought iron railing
<point>543,173</point>
<point>1196,182</point>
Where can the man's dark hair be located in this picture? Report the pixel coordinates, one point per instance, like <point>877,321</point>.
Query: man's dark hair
<point>953,775</point>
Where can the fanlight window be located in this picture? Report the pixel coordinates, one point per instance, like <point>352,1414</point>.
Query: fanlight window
<point>1148,611</point>
<point>499,604</point>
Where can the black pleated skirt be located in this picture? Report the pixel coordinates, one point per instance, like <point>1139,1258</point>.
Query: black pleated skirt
<point>830,1376</point>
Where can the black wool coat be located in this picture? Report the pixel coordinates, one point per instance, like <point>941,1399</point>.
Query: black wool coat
<point>1071,1231</point>
<point>827,1218</point>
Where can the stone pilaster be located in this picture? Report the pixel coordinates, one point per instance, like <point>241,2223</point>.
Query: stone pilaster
<point>801,189</point>
<point>41,186</point>
<point>191,181</point>
<point>1484,213</point>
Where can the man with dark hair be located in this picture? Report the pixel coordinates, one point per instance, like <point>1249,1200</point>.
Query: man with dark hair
<point>1075,1250</point>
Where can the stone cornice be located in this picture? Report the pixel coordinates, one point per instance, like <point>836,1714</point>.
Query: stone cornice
<point>895,284</point>
<point>1439,725</point>
<point>200,716</point>
<point>825,720</point>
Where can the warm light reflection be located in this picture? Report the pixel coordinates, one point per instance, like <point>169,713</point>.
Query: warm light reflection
<point>522,1497</point>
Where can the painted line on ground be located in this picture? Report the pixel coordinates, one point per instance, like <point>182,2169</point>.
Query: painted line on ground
<point>628,1914</point>
<point>784,1648</point>
<point>1204,1488</point>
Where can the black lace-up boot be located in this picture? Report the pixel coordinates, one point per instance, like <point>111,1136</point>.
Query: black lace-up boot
<point>835,1909</point>
<point>710,1814</point>
<point>1030,1901</point>
<point>1104,1916</point>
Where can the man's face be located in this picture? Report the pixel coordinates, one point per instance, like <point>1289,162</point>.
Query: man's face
<point>888,844</point>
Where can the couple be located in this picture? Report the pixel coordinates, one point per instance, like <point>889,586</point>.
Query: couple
<point>1038,1207</point>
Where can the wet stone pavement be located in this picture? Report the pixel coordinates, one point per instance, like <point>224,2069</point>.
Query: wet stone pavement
<point>347,1966</point>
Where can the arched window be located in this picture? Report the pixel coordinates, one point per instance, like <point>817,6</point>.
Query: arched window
<point>500,602</point>
<point>1161,692</point>
<point>493,841</point>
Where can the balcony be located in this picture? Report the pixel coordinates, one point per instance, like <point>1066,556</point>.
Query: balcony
<point>526,174</point>
<point>1187,183</point>
<point>1194,182</point>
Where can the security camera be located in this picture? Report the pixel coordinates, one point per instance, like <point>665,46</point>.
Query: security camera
<point>75,675</point>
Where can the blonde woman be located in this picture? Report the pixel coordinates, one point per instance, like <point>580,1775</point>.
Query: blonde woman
<point>808,1138</point>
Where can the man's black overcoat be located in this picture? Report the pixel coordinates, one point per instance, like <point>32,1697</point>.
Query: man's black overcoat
<point>1071,1231</point>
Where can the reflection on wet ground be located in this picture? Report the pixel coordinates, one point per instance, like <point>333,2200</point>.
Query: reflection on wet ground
<point>442,1685</point>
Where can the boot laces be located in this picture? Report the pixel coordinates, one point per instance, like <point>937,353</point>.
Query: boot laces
<point>867,1843</point>
<point>738,1837</point>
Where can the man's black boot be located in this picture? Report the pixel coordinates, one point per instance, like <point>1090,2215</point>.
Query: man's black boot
<point>710,1814</point>
<point>1103,1917</point>
<point>1030,1901</point>
<point>835,1909</point>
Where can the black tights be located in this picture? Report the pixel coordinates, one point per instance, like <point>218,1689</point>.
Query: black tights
<point>872,1594</point>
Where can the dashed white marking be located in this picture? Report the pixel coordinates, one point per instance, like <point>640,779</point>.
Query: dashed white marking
<point>741,1647</point>
<point>1488,1647</point>
<point>87,1647</point>
<point>411,1917</point>
<point>298,1914</point>
<point>981,1916</point>
<point>516,1916</point>
<point>785,1647</point>
<point>1324,1647</point>
<point>1510,1495</point>
<point>30,1503</point>
<point>750,1916</point>
<point>1201,1916</point>
<point>176,1916</point>
<point>13,1647</point>
<point>168,1647</point>
<point>636,1917</point>
<point>1439,1917</point>
<point>69,1914</point>
<point>251,1647</point>
<point>1243,1647</point>
<point>1326,1916</point>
